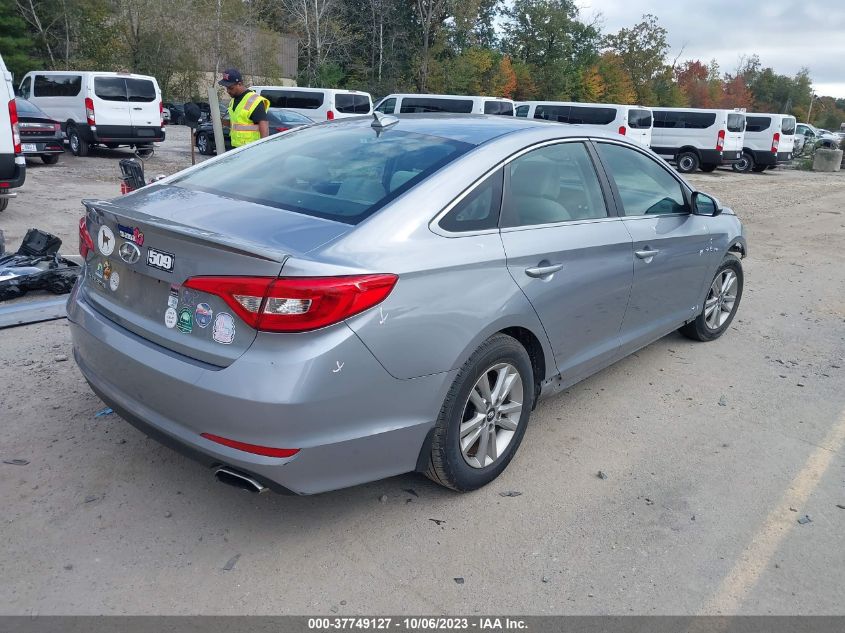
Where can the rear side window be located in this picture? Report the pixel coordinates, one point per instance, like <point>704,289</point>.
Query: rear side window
<point>757,123</point>
<point>736,122</point>
<point>110,88</point>
<point>645,186</point>
<point>302,99</point>
<point>57,85</point>
<point>141,90</point>
<point>552,113</point>
<point>344,174</point>
<point>684,120</point>
<point>639,119</point>
<point>387,106</point>
<point>787,126</point>
<point>479,210</point>
<point>522,111</point>
<point>591,116</point>
<point>352,104</point>
<point>411,105</point>
<point>498,107</point>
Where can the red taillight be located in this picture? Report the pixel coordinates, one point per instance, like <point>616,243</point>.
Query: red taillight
<point>296,304</point>
<point>89,111</point>
<point>57,127</point>
<point>16,130</point>
<point>622,130</point>
<point>161,113</point>
<point>775,142</point>
<point>255,449</point>
<point>282,129</point>
<point>86,244</point>
<point>330,115</point>
<point>720,142</point>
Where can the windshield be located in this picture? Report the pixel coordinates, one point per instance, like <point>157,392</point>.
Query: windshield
<point>338,172</point>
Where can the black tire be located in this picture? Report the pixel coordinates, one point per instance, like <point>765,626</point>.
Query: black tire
<point>78,145</point>
<point>745,164</point>
<point>144,151</point>
<point>4,202</point>
<point>50,159</point>
<point>708,167</point>
<point>204,144</point>
<point>698,329</point>
<point>447,465</point>
<point>757,169</point>
<point>771,166</point>
<point>687,162</point>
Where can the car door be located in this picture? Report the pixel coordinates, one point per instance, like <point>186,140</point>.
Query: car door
<point>143,105</point>
<point>569,255</point>
<point>111,107</point>
<point>672,247</point>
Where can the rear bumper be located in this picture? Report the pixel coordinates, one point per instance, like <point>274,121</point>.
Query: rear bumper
<point>784,157</point>
<point>323,393</point>
<point>12,171</point>
<point>122,134</point>
<point>771,158</point>
<point>715,157</point>
<point>44,146</point>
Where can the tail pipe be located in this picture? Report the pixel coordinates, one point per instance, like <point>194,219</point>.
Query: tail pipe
<point>232,477</point>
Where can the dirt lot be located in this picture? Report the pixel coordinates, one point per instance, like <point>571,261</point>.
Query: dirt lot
<point>713,452</point>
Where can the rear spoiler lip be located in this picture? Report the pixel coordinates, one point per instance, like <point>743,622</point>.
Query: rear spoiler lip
<point>240,247</point>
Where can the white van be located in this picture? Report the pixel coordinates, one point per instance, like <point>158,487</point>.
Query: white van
<point>455,104</point>
<point>769,141</point>
<point>695,138</point>
<point>12,162</point>
<point>104,108</point>
<point>635,122</point>
<point>318,104</point>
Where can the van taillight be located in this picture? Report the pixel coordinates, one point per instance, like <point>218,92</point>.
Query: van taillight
<point>775,142</point>
<point>330,115</point>
<point>296,304</point>
<point>89,111</point>
<point>16,130</point>
<point>86,243</point>
<point>161,113</point>
<point>622,130</point>
<point>720,142</point>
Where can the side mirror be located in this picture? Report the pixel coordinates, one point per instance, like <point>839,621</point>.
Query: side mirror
<point>702,204</point>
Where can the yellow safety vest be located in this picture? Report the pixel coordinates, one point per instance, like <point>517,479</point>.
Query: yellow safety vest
<point>242,130</point>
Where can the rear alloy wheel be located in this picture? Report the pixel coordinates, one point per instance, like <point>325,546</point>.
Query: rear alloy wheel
<point>744,164</point>
<point>708,167</point>
<point>484,416</point>
<point>78,145</point>
<point>721,303</point>
<point>204,144</point>
<point>687,162</point>
<point>50,159</point>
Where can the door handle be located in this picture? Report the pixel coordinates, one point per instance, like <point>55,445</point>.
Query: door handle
<point>137,108</point>
<point>646,254</point>
<point>542,271</point>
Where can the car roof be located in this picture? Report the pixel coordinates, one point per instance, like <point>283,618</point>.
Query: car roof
<point>427,95</point>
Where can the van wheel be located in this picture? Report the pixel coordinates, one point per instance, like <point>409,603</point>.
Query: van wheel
<point>483,419</point>
<point>771,166</point>
<point>759,168</point>
<point>744,164</point>
<point>4,202</point>
<point>50,159</point>
<point>78,145</point>
<point>708,167</point>
<point>204,144</point>
<point>144,151</point>
<point>687,162</point>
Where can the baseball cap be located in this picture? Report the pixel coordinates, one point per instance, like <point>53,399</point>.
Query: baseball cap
<point>231,76</point>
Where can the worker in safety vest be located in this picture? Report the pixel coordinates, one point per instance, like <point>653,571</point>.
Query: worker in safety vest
<point>247,110</point>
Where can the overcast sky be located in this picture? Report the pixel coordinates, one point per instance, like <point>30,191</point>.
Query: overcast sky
<point>786,34</point>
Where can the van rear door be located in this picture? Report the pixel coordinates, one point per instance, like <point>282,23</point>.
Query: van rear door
<point>144,106</point>
<point>639,125</point>
<point>787,136</point>
<point>734,135</point>
<point>111,107</point>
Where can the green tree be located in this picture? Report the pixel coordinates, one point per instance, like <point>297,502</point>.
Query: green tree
<point>642,52</point>
<point>16,43</point>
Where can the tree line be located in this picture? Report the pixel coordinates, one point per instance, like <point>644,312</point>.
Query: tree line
<point>522,49</point>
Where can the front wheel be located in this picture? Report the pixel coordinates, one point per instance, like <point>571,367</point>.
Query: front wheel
<point>78,145</point>
<point>721,303</point>
<point>687,162</point>
<point>483,419</point>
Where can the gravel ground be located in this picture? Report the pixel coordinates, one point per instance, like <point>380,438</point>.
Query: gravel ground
<point>713,452</point>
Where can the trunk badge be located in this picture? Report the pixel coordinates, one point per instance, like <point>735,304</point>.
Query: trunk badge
<point>129,252</point>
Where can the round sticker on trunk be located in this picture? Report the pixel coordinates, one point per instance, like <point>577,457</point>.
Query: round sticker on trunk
<point>224,328</point>
<point>170,318</point>
<point>202,315</point>
<point>105,240</point>
<point>186,322</point>
<point>114,280</point>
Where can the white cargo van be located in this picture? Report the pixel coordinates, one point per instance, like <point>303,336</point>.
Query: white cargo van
<point>455,104</point>
<point>635,122</point>
<point>769,141</point>
<point>318,104</point>
<point>104,108</point>
<point>12,162</point>
<point>696,138</point>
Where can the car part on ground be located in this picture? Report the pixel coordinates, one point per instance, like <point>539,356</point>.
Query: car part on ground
<point>36,265</point>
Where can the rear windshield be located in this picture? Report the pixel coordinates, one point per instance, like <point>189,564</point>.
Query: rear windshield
<point>787,127</point>
<point>110,88</point>
<point>575,114</point>
<point>302,99</point>
<point>498,107</point>
<point>736,122</point>
<point>684,120</point>
<point>639,119</point>
<point>342,173</point>
<point>352,104</point>
<point>140,90</point>
<point>757,123</point>
<point>57,85</point>
<point>411,105</point>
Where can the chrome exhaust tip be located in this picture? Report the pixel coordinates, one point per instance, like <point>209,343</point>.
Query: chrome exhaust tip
<point>232,477</point>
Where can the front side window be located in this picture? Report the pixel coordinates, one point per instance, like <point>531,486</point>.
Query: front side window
<point>645,186</point>
<point>344,174</point>
<point>57,85</point>
<point>26,88</point>
<point>387,106</point>
<point>522,111</point>
<point>479,210</point>
<point>556,183</point>
<point>351,103</point>
<point>639,119</point>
